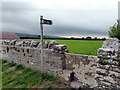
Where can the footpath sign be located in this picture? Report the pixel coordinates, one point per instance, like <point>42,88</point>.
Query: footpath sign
<point>47,22</point>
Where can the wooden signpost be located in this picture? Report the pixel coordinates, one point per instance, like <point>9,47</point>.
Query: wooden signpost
<point>47,22</point>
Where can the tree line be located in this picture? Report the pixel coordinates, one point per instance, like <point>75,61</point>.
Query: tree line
<point>114,31</point>
<point>71,38</point>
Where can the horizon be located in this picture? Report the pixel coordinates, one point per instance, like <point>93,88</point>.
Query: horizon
<point>63,36</point>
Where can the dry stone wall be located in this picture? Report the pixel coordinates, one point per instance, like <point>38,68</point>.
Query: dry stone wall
<point>27,53</point>
<point>102,71</point>
<point>108,69</point>
<point>84,67</point>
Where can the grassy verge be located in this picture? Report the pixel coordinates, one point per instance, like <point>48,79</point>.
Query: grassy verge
<point>16,76</point>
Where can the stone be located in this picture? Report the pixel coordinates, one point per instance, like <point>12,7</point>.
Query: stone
<point>103,71</point>
<point>106,83</point>
<point>109,79</point>
<point>98,76</point>
<point>101,79</point>
<point>27,43</point>
<point>51,44</point>
<point>45,45</point>
<point>115,69</point>
<point>110,48</point>
<point>66,74</point>
<point>111,42</point>
<point>114,66</point>
<point>13,42</point>
<point>76,84</point>
<point>60,49</point>
<point>7,42</point>
<point>98,69</point>
<point>35,44</point>
<point>107,66</point>
<point>116,74</point>
<point>20,43</point>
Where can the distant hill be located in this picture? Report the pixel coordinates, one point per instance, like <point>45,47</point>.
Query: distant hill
<point>26,35</point>
<point>35,35</point>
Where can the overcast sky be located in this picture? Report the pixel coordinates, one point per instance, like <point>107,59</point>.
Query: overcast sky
<point>70,17</point>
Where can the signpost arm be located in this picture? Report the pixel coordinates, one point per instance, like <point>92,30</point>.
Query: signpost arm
<point>42,62</point>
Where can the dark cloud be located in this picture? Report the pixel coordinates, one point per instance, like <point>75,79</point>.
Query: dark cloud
<point>23,17</point>
<point>68,30</point>
<point>16,6</point>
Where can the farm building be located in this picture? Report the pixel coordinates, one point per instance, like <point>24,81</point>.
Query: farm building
<point>8,36</point>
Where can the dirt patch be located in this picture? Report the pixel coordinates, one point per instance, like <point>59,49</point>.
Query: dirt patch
<point>10,69</point>
<point>60,84</point>
<point>16,73</point>
<point>57,84</point>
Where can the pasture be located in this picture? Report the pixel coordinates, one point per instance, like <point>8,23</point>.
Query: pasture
<point>87,47</point>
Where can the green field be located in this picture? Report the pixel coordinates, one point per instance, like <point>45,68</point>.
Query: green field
<point>87,47</point>
<point>16,76</point>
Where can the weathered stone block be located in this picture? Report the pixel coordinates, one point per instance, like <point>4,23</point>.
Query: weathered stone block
<point>109,79</point>
<point>110,48</point>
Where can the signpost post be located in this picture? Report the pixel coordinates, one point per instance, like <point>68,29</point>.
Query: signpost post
<point>48,22</point>
<point>42,63</point>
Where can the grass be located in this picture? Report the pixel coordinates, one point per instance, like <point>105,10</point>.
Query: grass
<point>87,47</point>
<point>16,76</point>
